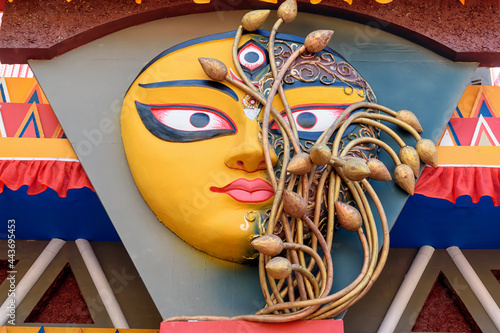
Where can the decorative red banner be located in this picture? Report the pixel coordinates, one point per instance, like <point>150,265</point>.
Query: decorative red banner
<point>60,176</point>
<point>449,183</point>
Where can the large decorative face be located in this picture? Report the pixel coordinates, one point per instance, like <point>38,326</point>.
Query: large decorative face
<point>193,145</point>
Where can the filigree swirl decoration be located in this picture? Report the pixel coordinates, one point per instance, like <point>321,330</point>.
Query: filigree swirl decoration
<point>322,67</point>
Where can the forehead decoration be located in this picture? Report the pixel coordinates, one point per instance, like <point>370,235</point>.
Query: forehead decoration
<point>253,59</point>
<point>310,98</point>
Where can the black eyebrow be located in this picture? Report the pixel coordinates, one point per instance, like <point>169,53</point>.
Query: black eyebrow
<point>193,83</point>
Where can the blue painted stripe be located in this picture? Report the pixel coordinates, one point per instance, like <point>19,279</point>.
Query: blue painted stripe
<point>484,110</point>
<point>454,134</point>
<point>193,83</point>
<point>4,99</point>
<point>458,112</point>
<point>30,119</point>
<point>34,98</point>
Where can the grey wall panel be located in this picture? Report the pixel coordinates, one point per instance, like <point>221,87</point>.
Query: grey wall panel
<point>86,86</point>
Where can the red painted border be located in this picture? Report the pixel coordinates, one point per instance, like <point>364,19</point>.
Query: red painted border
<point>237,326</point>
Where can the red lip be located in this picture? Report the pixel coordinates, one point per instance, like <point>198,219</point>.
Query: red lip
<point>243,190</point>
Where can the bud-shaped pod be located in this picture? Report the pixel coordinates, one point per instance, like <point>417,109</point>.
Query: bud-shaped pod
<point>279,268</point>
<point>294,205</point>
<point>427,151</point>
<point>270,245</point>
<point>404,177</point>
<point>215,69</point>
<point>409,156</point>
<point>348,216</point>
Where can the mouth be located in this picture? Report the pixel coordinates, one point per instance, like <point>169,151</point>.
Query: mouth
<point>248,191</point>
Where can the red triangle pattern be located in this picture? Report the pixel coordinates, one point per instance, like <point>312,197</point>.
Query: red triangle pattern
<point>464,129</point>
<point>496,273</point>
<point>444,311</point>
<point>13,115</point>
<point>30,131</point>
<point>62,302</point>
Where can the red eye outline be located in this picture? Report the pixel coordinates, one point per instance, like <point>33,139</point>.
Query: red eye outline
<point>325,115</point>
<point>160,125</point>
<point>180,117</point>
<point>251,48</point>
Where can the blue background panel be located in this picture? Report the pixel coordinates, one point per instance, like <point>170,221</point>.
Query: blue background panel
<point>46,215</point>
<point>440,223</point>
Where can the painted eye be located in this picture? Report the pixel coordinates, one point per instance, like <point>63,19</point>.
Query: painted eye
<point>185,122</point>
<point>315,120</point>
<point>251,56</point>
<point>312,120</point>
<point>187,119</point>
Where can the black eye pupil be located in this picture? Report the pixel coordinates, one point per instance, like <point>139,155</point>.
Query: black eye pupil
<point>199,120</point>
<point>306,120</point>
<point>251,57</point>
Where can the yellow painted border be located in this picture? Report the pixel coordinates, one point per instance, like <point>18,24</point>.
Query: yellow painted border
<point>36,148</point>
<point>467,155</point>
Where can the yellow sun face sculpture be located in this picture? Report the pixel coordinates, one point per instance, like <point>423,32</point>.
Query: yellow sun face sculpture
<point>193,144</point>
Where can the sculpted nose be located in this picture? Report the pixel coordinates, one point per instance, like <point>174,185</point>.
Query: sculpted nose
<point>248,154</point>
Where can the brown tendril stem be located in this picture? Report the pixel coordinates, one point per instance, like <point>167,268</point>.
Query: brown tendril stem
<point>370,227</point>
<point>398,122</point>
<point>272,38</point>
<point>332,307</point>
<point>294,255</point>
<point>370,105</point>
<point>383,254</point>
<point>392,134</point>
<point>323,272</point>
<point>360,203</point>
<point>326,253</point>
<point>312,253</point>
<point>329,131</point>
<point>268,106</point>
<point>274,289</point>
<point>276,115</point>
<point>299,227</point>
<point>385,228</point>
<point>342,129</point>
<point>326,289</point>
<point>277,203</point>
<point>317,212</point>
<point>377,142</point>
<point>236,61</point>
<point>274,70</point>
<point>262,278</point>
<point>309,276</point>
<point>384,128</point>
<point>265,138</point>
<point>342,293</point>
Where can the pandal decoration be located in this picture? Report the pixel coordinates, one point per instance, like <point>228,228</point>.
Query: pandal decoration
<point>296,276</point>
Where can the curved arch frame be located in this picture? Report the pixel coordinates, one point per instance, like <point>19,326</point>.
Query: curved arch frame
<point>446,42</point>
